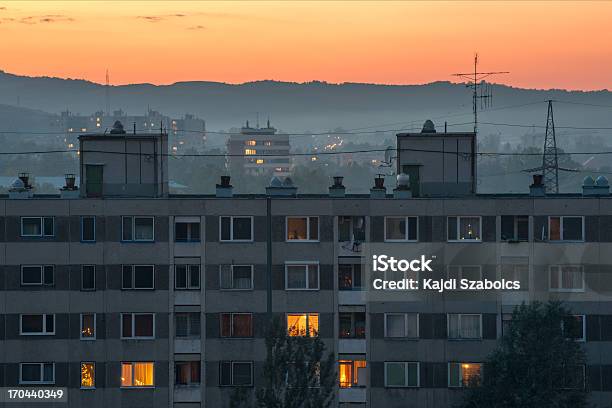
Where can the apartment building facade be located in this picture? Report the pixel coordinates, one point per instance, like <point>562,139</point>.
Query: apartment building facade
<point>163,300</point>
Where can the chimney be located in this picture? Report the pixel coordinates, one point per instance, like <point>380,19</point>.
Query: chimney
<point>280,188</point>
<point>537,189</point>
<point>25,178</point>
<point>598,187</point>
<point>337,190</point>
<point>20,188</point>
<point>70,190</point>
<point>379,190</point>
<point>225,189</point>
<point>402,191</point>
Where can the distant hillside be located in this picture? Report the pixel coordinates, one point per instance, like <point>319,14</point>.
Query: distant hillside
<point>302,106</point>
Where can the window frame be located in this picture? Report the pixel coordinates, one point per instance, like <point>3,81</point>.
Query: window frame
<point>189,221</point>
<point>406,364</point>
<point>584,328</point>
<point>95,331</point>
<point>188,282</point>
<point>405,336</point>
<point>459,364</point>
<point>94,278</point>
<point>308,232</point>
<point>232,363</point>
<point>44,331</point>
<point>133,268</point>
<point>231,315</point>
<point>133,325</point>
<point>307,314</point>
<point>307,264</point>
<point>459,327</point>
<point>42,374</point>
<point>41,219</point>
<point>132,364</point>
<point>83,217</point>
<point>190,334</point>
<point>406,228</point>
<point>42,275</point>
<point>232,217</point>
<point>458,222</point>
<point>252,267</point>
<point>562,228</point>
<point>93,364</point>
<point>190,383</point>
<point>515,228</point>
<point>560,281</point>
<point>133,228</point>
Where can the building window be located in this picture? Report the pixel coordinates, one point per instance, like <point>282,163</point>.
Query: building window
<point>304,324</point>
<point>236,373</point>
<point>464,374</point>
<point>506,323</point>
<point>250,142</point>
<point>566,278</point>
<point>401,229</point>
<point>464,229</point>
<point>186,231</point>
<point>88,277</point>
<point>138,229</point>
<point>236,325</point>
<point>470,272</point>
<point>464,326</point>
<point>88,229</point>
<point>137,325</point>
<point>88,375</point>
<point>516,272</point>
<point>566,229</point>
<point>250,152</point>
<point>237,229</point>
<point>37,324</point>
<point>351,373</point>
<point>187,276</point>
<point>515,228</point>
<point>37,227</point>
<point>402,325</point>
<point>37,275</point>
<point>138,277</point>
<point>350,277</point>
<point>88,326</point>
<point>137,375</point>
<point>402,374</point>
<point>351,230</point>
<point>301,276</point>
<point>302,229</point>
<point>187,373</point>
<point>37,373</point>
<point>187,325</point>
<point>574,377</point>
<point>352,325</point>
<point>574,327</point>
<point>236,277</point>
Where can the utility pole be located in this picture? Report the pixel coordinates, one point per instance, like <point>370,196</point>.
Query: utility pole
<point>480,89</point>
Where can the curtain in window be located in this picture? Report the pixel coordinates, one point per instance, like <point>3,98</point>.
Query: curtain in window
<point>395,325</point>
<point>296,276</point>
<point>470,326</point>
<point>143,374</point>
<point>242,277</point>
<point>126,375</point>
<point>242,325</point>
<point>571,277</point>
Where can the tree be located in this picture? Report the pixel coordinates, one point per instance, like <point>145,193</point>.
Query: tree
<point>296,373</point>
<point>536,365</point>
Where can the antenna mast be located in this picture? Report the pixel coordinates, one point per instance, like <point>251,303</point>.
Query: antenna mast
<point>480,89</point>
<point>550,159</point>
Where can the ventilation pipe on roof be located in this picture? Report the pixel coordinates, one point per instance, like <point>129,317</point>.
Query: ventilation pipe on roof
<point>70,190</point>
<point>537,189</point>
<point>379,190</point>
<point>225,189</point>
<point>337,190</point>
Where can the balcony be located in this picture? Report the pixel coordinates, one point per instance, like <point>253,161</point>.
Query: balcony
<point>187,345</point>
<point>352,332</point>
<point>352,346</point>
<point>351,235</point>
<point>187,393</point>
<point>352,297</point>
<point>350,285</point>
<point>352,395</point>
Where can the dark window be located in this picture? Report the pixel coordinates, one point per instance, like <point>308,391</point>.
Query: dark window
<point>37,275</point>
<point>349,277</point>
<point>515,228</point>
<point>187,325</point>
<point>187,231</point>
<point>236,325</point>
<point>38,324</point>
<point>565,228</point>
<point>88,229</point>
<point>138,277</point>
<point>37,226</point>
<point>236,373</point>
<point>352,325</point>
<point>137,325</point>
<point>187,276</point>
<point>138,229</point>
<point>187,373</point>
<point>88,277</point>
<point>33,373</point>
<point>573,327</point>
<point>574,377</point>
<point>236,229</point>
<point>237,277</point>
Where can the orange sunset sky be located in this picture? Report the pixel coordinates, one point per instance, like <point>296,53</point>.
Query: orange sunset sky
<point>543,44</point>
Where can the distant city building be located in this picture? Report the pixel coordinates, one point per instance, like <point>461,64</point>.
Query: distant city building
<point>259,150</point>
<point>188,132</point>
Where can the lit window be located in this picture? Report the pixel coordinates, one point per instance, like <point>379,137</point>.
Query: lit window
<point>305,324</point>
<point>250,152</point>
<point>88,375</point>
<point>566,278</point>
<point>574,327</point>
<point>88,277</point>
<point>350,372</point>
<point>88,229</point>
<point>566,228</point>
<point>137,325</point>
<point>37,226</point>
<point>138,229</point>
<point>259,161</point>
<point>302,229</point>
<point>236,228</point>
<point>302,276</point>
<point>187,325</point>
<point>402,325</point>
<point>138,277</point>
<point>350,277</point>
<point>464,229</point>
<point>401,229</point>
<point>402,374</point>
<point>137,375</point>
<point>88,326</point>
<point>236,373</point>
<point>37,324</point>
<point>236,324</point>
<point>187,276</point>
<point>250,143</point>
<point>236,277</point>
<point>464,326</point>
<point>37,373</point>
<point>464,374</point>
<point>37,275</point>
<point>187,373</point>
